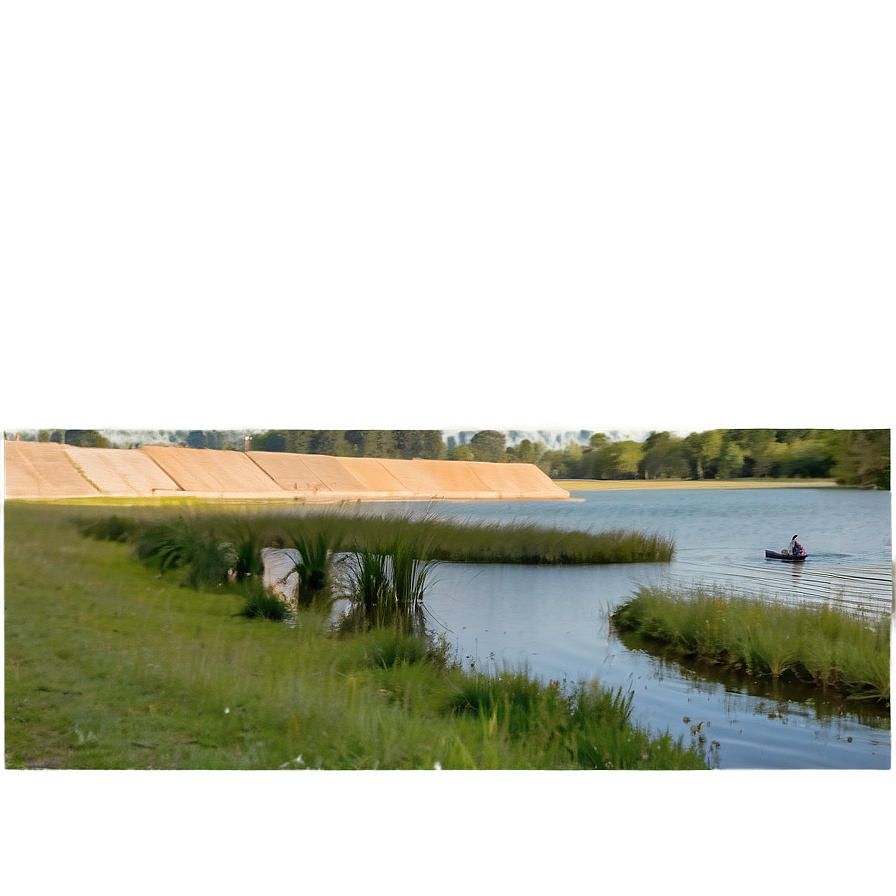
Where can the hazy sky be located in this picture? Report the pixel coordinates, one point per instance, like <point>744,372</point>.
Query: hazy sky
<point>488,215</point>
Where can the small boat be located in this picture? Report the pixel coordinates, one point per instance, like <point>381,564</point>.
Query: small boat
<point>786,556</point>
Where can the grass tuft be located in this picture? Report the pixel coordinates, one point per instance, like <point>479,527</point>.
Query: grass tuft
<point>259,603</point>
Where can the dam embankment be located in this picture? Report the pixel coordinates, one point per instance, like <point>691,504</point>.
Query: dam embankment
<point>50,471</point>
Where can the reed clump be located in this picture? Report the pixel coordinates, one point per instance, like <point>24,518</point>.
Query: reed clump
<point>819,644</point>
<point>259,603</point>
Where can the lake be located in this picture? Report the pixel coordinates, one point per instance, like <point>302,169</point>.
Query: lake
<point>554,620</point>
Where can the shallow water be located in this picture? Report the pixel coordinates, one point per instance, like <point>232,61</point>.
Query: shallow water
<point>554,620</point>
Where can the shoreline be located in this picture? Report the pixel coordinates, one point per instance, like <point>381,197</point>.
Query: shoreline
<point>587,485</point>
<point>570,485</point>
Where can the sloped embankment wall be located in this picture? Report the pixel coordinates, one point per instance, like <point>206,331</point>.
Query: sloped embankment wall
<point>122,473</point>
<point>205,471</point>
<point>45,470</point>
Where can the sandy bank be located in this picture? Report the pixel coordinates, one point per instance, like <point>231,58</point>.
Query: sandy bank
<point>600,485</point>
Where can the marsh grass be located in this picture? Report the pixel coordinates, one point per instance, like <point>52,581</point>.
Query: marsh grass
<point>313,563</point>
<point>529,543</point>
<point>442,539</point>
<point>109,666</point>
<point>822,645</point>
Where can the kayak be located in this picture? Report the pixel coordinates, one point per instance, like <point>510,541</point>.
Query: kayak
<point>786,556</point>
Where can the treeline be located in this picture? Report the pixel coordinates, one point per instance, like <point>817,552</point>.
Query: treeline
<point>851,457</point>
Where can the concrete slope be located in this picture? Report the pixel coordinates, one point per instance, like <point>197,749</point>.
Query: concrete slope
<point>45,470</point>
<point>416,478</point>
<point>121,472</point>
<point>310,475</point>
<point>456,480</point>
<point>377,476</point>
<point>42,470</point>
<point>517,481</point>
<point>206,471</point>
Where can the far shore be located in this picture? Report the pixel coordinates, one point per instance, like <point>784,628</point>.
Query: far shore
<point>570,485</point>
<point>591,485</point>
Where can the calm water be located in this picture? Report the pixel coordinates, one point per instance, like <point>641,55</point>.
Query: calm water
<point>555,620</point>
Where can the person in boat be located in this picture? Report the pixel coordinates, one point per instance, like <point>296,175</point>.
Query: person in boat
<point>796,549</point>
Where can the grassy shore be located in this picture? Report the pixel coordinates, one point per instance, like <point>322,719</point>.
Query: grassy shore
<point>111,665</point>
<point>819,645</point>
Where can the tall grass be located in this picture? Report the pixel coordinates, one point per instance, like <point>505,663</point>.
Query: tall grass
<point>822,645</point>
<point>368,577</point>
<point>584,726</point>
<point>313,562</point>
<point>247,539</point>
<point>387,585</point>
<point>443,539</point>
<point>181,544</point>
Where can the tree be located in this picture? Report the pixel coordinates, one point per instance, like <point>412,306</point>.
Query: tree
<point>329,441</point>
<point>378,443</point>
<point>730,463</point>
<point>703,450</point>
<point>489,445</point>
<point>272,440</point>
<point>664,457</point>
<point>461,452</point>
<point>612,460</point>
<point>433,444</point>
<point>85,438</point>
<point>527,452</point>
<point>759,448</point>
<point>862,457</point>
<point>196,439</point>
<point>408,443</point>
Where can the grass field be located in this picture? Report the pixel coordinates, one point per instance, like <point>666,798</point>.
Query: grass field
<point>112,665</point>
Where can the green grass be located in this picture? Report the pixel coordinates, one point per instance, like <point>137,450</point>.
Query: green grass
<point>820,645</point>
<point>111,664</point>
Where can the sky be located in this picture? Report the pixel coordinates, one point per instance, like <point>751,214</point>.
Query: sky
<point>480,218</point>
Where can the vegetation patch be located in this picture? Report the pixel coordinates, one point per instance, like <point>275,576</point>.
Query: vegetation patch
<point>115,663</point>
<point>819,644</point>
<point>317,534</point>
<point>259,603</point>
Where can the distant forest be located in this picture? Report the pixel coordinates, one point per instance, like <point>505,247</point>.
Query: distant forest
<point>851,457</point>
